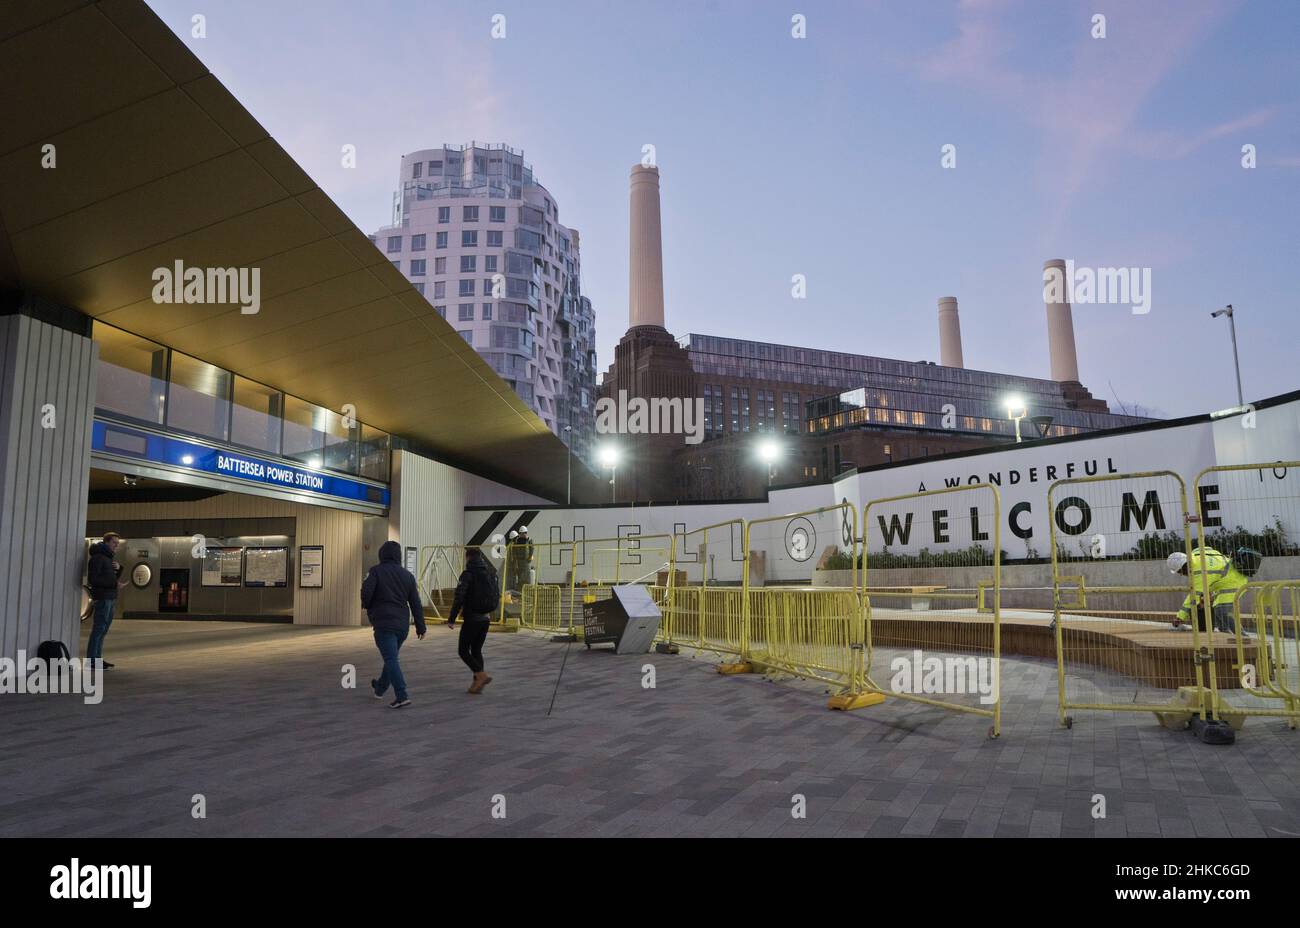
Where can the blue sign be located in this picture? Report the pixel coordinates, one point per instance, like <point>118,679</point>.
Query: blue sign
<point>112,438</point>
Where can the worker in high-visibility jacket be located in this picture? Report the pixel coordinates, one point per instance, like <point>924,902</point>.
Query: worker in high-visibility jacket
<point>1224,579</point>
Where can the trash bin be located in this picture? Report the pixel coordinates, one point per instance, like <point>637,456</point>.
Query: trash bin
<point>629,620</point>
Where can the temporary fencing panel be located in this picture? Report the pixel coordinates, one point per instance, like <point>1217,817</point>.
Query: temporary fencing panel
<point>1250,514</point>
<point>931,581</point>
<point>1115,601</point>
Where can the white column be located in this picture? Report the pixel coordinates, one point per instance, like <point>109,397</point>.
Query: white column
<point>949,333</point>
<point>645,250</point>
<point>47,399</point>
<point>1060,324</point>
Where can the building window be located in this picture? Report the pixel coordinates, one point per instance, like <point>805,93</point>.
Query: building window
<point>467,334</point>
<point>469,213</point>
<point>441,311</point>
<point>466,287</point>
<point>419,288</point>
<point>466,311</point>
<point>744,409</point>
<point>439,289</point>
<point>417,267</point>
<point>394,243</point>
<point>397,264</point>
<point>441,241</point>
<point>487,312</point>
<point>255,416</point>
<point>735,410</point>
<point>435,167</point>
<point>496,213</point>
<point>495,238</point>
<point>444,214</point>
<point>418,242</point>
<point>468,264</point>
<point>440,265</point>
<point>417,169</point>
<point>198,400</point>
<point>469,238</point>
<point>490,264</point>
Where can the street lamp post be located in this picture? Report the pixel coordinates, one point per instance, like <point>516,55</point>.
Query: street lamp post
<point>609,458</point>
<point>768,452</point>
<point>1016,410</point>
<point>1232,329</point>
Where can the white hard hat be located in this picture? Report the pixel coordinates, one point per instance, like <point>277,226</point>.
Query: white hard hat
<point>1176,562</point>
<point>514,534</point>
<point>523,530</point>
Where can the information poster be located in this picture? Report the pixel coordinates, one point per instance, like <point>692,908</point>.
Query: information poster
<point>311,566</point>
<point>412,559</point>
<point>222,567</point>
<point>266,567</point>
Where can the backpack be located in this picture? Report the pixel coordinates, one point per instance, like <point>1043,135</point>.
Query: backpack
<point>50,651</point>
<point>485,596</point>
<point>1247,561</point>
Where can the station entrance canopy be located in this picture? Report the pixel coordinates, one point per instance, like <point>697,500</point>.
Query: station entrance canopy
<point>155,163</point>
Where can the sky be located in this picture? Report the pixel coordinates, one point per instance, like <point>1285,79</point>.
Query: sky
<point>822,156</point>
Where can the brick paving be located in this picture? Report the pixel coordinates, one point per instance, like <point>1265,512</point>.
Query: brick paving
<point>254,718</point>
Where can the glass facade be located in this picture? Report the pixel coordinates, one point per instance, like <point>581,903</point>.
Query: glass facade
<point>147,383</point>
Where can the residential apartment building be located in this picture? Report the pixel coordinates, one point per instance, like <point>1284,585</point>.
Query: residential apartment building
<point>480,237</point>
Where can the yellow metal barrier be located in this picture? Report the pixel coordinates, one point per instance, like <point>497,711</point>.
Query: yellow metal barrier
<point>933,618</point>
<point>440,570</point>
<point>703,611</point>
<point>798,626</point>
<point>614,561</point>
<point>546,568</point>
<point>1114,600</point>
<point>1255,507</point>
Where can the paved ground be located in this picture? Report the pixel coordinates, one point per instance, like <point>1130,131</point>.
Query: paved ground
<point>253,717</point>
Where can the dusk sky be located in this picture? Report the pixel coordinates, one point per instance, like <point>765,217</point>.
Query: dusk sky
<point>821,156</point>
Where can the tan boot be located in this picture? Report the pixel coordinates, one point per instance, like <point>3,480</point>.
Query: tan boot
<point>480,680</point>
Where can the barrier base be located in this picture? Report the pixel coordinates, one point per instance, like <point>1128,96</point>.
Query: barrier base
<point>849,701</point>
<point>503,629</point>
<point>667,647</point>
<point>1183,709</point>
<point>739,667</point>
<point>564,637</point>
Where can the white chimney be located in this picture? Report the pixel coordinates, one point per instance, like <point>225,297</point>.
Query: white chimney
<point>949,333</point>
<point>645,250</point>
<point>1060,323</point>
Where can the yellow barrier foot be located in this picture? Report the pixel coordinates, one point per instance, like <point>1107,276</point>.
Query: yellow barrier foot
<point>503,629</point>
<point>741,667</point>
<point>667,647</point>
<point>1186,706</point>
<point>847,701</point>
<point>562,638</point>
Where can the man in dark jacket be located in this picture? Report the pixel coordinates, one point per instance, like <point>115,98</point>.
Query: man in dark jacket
<point>102,577</point>
<point>477,594</point>
<point>390,596</point>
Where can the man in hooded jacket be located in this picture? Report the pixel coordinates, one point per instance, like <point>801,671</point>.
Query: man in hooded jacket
<point>390,597</point>
<point>102,574</point>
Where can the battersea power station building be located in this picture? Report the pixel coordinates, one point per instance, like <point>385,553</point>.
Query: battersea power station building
<point>781,415</point>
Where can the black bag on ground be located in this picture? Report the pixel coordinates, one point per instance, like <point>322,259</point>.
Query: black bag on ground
<point>49,651</point>
<point>1247,561</point>
<point>487,592</point>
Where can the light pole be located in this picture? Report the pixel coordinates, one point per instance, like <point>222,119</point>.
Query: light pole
<point>609,458</point>
<point>568,493</point>
<point>768,452</point>
<point>1232,328</point>
<point>1016,410</point>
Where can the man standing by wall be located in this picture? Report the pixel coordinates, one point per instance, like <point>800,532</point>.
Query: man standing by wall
<point>102,577</point>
